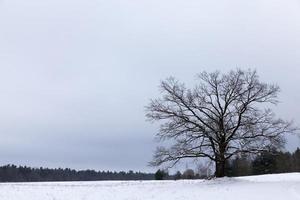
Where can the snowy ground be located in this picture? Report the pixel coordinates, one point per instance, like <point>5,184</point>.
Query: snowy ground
<point>275,187</point>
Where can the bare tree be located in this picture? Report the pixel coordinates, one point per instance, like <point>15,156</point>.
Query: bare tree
<point>222,116</point>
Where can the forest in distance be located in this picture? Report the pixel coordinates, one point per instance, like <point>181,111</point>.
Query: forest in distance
<point>265,163</point>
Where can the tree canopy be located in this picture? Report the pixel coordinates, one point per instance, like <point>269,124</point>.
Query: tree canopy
<point>223,115</point>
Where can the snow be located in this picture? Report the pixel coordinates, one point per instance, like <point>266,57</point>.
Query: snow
<point>275,187</point>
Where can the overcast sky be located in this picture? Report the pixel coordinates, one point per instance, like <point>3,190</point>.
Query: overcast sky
<point>75,75</point>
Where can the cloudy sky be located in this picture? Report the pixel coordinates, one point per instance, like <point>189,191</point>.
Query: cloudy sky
<point>75,75</point>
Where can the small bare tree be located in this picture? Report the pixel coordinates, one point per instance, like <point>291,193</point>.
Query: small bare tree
<point>222,116</point>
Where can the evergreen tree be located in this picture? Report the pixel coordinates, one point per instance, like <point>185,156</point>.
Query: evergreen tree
<point>160,175</point>
<point>296,160</point>
<point>265,163</point>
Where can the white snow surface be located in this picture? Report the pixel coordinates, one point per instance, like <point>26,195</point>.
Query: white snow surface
<point>275,187</point>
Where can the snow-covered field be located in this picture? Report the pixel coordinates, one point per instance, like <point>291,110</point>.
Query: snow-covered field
<point>275,187</point>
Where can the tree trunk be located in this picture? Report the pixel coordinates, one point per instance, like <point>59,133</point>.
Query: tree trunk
<point>220,168</point>
<point>220,162</point>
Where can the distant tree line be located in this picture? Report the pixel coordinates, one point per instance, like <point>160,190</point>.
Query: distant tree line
<point>265,163</point>
<point>13,173</point>
<point>187,174</point>
<point>268,162</point>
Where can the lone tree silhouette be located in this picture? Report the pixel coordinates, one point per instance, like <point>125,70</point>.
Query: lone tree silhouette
<point>222,116</point>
